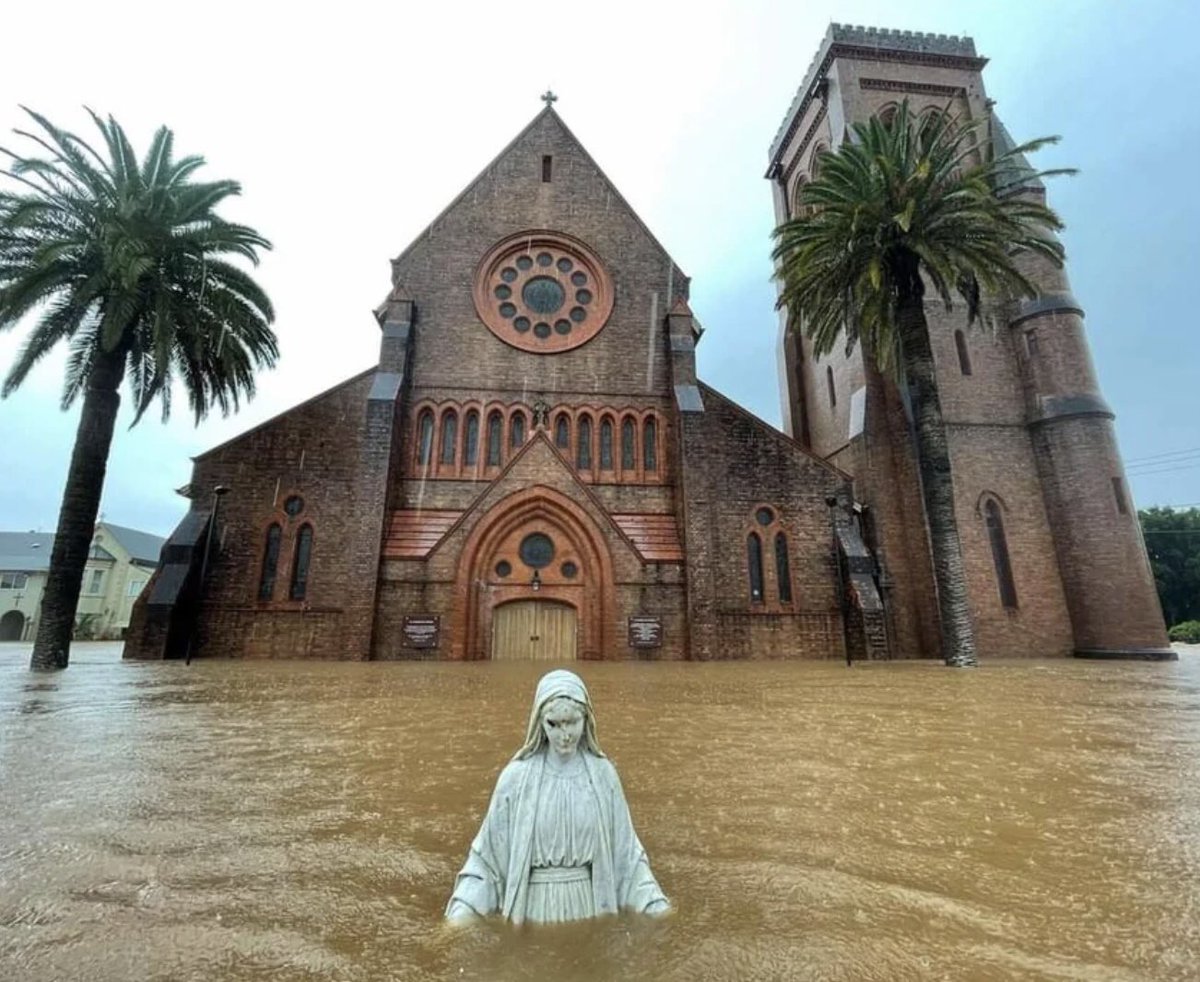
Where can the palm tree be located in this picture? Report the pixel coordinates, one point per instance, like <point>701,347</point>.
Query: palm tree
<point>904,204</point>
<point>125,262</point>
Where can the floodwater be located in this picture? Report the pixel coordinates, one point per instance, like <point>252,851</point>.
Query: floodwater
<point>273,820</point>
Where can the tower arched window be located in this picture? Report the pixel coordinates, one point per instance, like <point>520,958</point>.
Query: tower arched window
<point>832,390</point>
<point>270,563</point>
<point>583,451</point>
<point>425,437</point>
<point>814,166</point>
<point>516,430</point>
<point>628,445</point>
<point>999,544</point>
<point>606,444</point>
<point>783,572</point>
<point>650,445</point>
<point>495,433</point>
<point>964,356</point>
<point>562,432</point>
<point>301,562</point>
<point>449,436</point>
<point>471,439</point>
<point>754,562</point>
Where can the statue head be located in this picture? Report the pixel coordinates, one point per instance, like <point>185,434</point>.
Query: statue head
<point>561,698</point>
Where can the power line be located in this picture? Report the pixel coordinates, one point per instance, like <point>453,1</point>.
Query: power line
<point>1166,453</point>
<point>1178,459</point>
<point>1164,470</point>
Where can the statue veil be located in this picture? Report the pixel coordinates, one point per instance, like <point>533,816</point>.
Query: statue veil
<point>556,685</point>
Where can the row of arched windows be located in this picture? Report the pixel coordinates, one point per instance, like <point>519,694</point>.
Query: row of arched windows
<point>605,444</point>
<point>301,563</point>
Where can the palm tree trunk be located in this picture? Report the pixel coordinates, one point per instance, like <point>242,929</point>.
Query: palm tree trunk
<point>77,516</point>
<point>937,486</point>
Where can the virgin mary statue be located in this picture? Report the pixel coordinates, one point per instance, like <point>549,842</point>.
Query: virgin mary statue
<point>557,842</point>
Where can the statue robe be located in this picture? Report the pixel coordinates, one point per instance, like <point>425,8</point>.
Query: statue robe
<point>495,877</point>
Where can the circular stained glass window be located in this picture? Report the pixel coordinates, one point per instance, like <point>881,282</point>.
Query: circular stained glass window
<point>570,570</point>
<point>543,292</point>
<point>543,295</point>
<point>764,516</point>
<point>536,550</point>
<point>293,506</point>
<point>503,568</point>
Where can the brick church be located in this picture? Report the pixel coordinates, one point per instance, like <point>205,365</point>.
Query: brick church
<point>533,469</point>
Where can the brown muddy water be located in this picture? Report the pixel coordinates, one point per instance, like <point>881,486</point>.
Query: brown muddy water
<point>255,821</point>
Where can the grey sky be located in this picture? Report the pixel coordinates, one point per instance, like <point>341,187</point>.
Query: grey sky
<point>351,130</point>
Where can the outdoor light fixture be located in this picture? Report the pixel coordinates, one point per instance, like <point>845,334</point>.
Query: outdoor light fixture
<point>536,582</point>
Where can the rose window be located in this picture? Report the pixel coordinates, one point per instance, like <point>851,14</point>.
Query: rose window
<point>543,292</point>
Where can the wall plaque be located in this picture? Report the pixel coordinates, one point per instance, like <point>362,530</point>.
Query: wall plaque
<point>645,631</point>
<point>421,631</point>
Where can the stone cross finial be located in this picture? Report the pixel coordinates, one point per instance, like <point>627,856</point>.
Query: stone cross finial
<point>549,98</point>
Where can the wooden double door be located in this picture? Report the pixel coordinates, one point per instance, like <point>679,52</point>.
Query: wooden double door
<point>534,630</point>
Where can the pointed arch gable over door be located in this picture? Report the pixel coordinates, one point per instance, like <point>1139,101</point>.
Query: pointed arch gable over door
<point>579,575</point>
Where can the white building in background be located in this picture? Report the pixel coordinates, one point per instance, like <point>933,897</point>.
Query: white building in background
<point>119,566</point>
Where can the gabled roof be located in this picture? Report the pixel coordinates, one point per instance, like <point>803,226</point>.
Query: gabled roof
<point>139,545</point>
<point>27,552</point>
<point>549,112</point>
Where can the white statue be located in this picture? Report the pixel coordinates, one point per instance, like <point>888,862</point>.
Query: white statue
<point>557,842</point>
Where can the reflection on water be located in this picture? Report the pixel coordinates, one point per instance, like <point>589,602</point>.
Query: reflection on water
<point>238,821</point>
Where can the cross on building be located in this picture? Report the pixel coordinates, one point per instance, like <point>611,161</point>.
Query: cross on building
<point>549,98</point>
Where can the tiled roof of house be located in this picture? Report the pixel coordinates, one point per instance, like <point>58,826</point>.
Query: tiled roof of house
<point>26,552</point>
<point>139,545</point>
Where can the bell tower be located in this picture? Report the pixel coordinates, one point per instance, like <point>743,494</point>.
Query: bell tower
<point>1053,553</point>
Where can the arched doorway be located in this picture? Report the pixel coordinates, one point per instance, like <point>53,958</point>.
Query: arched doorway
<point>541,548</point>
<point>533,630</point>
<point>12,626</point>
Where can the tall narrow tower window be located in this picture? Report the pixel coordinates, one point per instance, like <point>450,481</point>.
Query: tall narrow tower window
<point>755,564</point>
<point>964,356</point>
<point>516,432</point>
<point>829,383</point>
<point>1119,494</point>
<point>1004,577</point>
<point>547,164</point>
<point>562,432</point>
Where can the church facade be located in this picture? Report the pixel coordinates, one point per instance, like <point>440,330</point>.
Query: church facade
<point>533,469</point>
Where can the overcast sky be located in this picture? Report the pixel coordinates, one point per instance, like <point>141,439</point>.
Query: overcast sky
<point>350,130</point>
